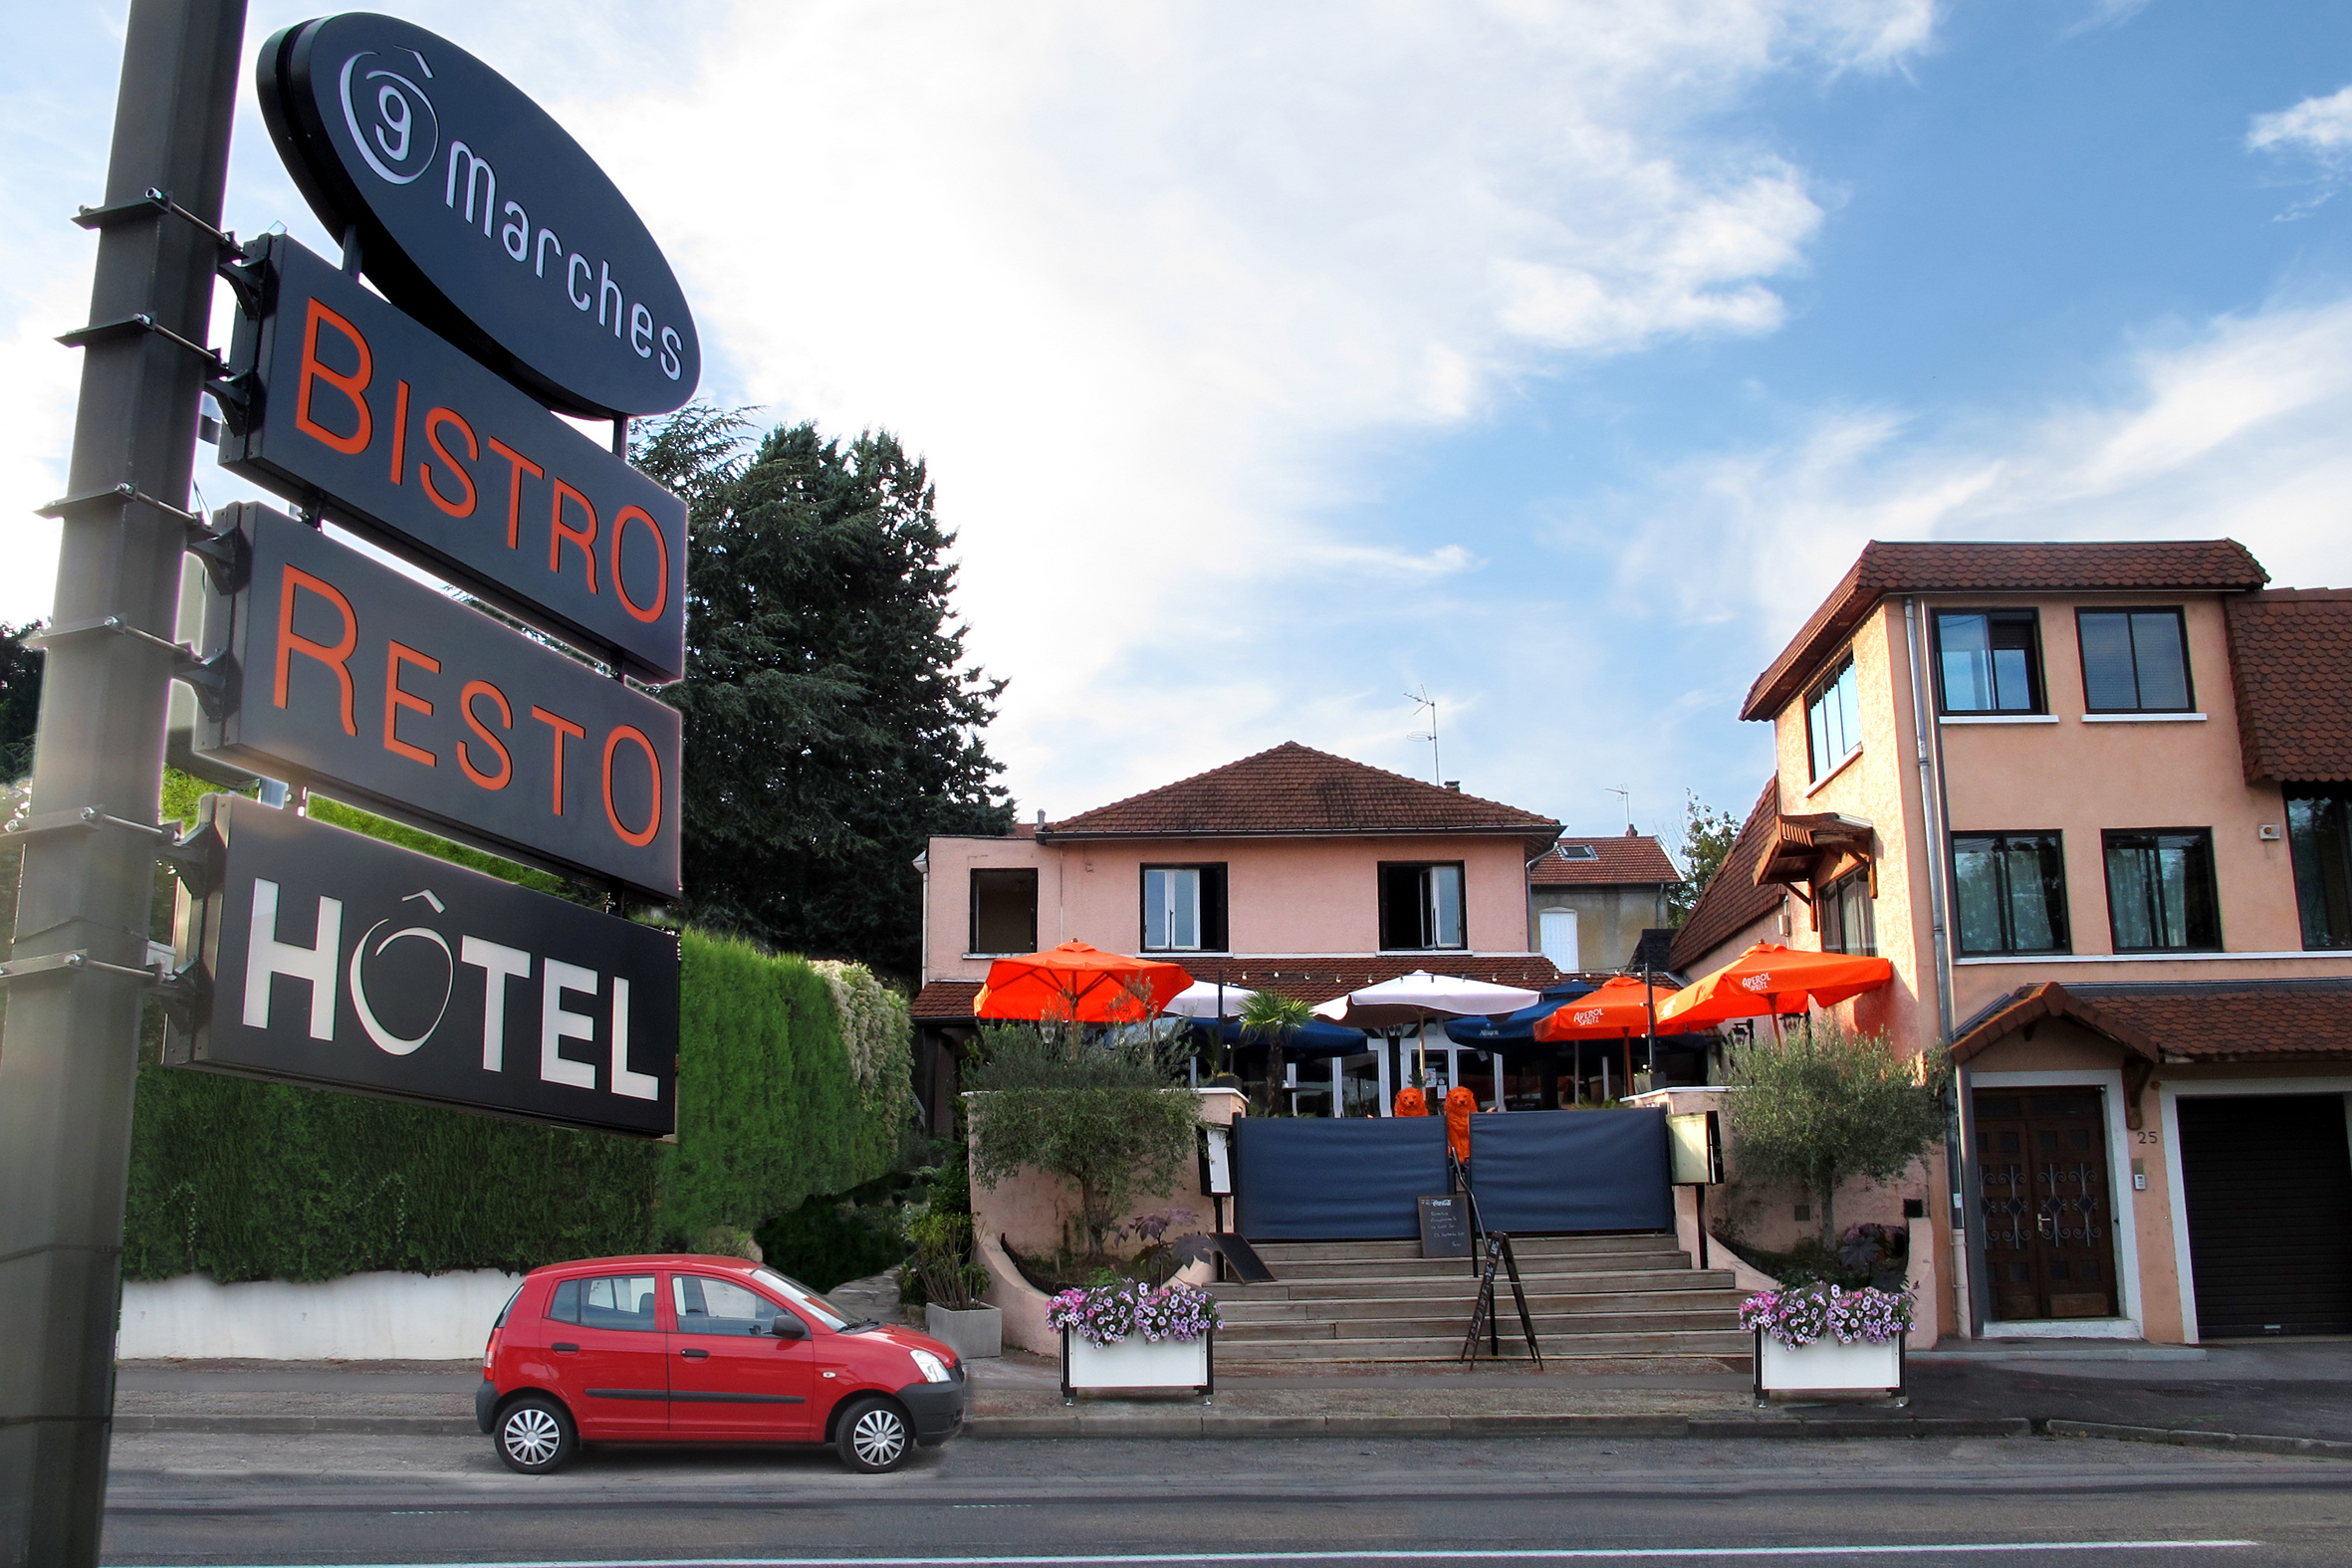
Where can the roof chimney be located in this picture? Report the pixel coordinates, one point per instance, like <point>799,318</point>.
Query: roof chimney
<point>1629,832</point>
<point>1453,785</point>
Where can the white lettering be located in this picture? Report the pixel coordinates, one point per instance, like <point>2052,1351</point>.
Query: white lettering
<point>642,331</point>
<point>577,267</point>
<point>609,287</point>
<point>557,1024</point>
<point>497,964</point>
<point>516,236</point>
<point>547,237</point>
<point>637,1085</point>
<point>671,344</point>
<point>265,956</point>
<point>478,173</point>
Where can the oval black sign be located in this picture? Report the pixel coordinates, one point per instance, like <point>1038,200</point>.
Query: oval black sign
<point>478,214</point>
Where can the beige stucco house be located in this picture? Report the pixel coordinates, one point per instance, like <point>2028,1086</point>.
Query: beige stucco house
<point>2091,800</point>
<point>1590,899</point>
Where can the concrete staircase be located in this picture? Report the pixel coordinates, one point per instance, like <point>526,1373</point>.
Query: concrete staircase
<point>1592,1297</point>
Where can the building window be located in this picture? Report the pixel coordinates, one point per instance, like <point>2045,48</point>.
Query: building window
<point>2160,891</point>
<point>2320,839</point>
<point>2134,661</point>
<point>1843,911</point>
<point>1004,910</point>
<point>2009,890</point>
<point>1833,724</point>
<point>1988,661</point>
<point>1421,906</point>
<point>1184,909</point>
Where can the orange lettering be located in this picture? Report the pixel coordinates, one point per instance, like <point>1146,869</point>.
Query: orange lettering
<point>290,645</point>
<point>558,534</point>
<point>611,814</point>
<point>394,699</point>
<point>661,582</point>
<point>506,719</point>
<point>517,465</point>
<point>351,386</point>
<point>563,727</point>
<point>433,421</point>
<point>400,430</point>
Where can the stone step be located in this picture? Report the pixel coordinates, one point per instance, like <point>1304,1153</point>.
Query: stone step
<point>1713,1346</point>
<point>1447,1287</point>
<point>1548,1326</point>
<point>1558,1303</point>
<point>1525,1246</point>
<point>1342,1267</point>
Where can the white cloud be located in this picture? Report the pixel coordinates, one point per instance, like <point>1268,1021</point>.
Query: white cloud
<point>2320,127</point>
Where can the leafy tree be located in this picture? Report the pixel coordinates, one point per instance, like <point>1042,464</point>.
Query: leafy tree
<point>1826,1104</point>
<point>1706,836</point>
<point>20,699</point>
<point>831,722</point>
<point>1271,1017</point>
<point>1105,1118</point>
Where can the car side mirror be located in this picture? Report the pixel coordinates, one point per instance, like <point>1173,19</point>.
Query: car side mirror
<point>789,1328</point>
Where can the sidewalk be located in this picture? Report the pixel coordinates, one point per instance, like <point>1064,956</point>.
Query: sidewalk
<point>2275,1396</point>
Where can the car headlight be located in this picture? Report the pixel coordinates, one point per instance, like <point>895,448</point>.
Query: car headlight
<point>931,1367</point>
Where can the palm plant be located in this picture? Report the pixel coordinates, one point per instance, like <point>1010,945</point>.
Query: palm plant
<point>1271,1017</point>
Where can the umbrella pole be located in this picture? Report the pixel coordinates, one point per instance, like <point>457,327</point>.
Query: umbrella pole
<point>1649,1002</point>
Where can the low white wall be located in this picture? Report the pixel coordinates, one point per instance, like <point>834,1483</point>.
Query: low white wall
<point>359,1317</point>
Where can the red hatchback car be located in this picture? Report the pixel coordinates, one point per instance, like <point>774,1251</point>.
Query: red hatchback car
<point>677,1348</point>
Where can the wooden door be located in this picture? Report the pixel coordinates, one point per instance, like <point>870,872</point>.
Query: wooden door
<point>2048,1210</point>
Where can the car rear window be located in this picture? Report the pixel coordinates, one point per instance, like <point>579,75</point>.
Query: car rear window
<point>509,1307</point>
<point>619,1301</point>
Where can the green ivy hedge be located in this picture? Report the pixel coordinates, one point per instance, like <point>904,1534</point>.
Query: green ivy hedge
<point>245,1180</point>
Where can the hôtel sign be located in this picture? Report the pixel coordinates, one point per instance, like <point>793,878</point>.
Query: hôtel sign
<point>478,214</point>
<point>346,673</point>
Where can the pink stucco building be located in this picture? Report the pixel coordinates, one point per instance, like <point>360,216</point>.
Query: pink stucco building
<point>2091,800</point>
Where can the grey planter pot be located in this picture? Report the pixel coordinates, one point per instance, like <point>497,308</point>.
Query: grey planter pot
<point>973,1333</point>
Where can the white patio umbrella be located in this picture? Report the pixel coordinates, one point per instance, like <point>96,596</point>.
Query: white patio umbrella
<point>1417,997</point>
<point>1205,998</point>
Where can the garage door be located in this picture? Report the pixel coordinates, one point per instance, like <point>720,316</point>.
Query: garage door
<point>2269,1202</point>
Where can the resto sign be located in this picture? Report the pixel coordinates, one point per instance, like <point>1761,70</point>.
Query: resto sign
<point>478,214</point>
<point>353,408</point>
<point>336,960</point>
<point>345,673</point>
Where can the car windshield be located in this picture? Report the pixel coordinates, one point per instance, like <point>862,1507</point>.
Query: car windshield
<point>809,1303</point>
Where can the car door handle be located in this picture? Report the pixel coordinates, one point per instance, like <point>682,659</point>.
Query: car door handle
<point>560,1345</point>
<point>695,1355</point>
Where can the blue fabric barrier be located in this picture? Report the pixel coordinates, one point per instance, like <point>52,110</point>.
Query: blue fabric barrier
<point>1570,1170</point>
<point>1357,1180</point>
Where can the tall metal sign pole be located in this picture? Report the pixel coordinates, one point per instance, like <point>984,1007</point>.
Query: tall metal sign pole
<point>69,1056</point>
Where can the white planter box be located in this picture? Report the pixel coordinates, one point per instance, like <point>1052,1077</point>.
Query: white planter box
<point>973,1333</point>
<point>1137,1362</point>
<point>1826,1366</point>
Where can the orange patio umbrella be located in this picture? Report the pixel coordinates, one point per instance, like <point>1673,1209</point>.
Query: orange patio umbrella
<point>1079,983</point>
<point>1617,1009</point>
<point>1768,980</point>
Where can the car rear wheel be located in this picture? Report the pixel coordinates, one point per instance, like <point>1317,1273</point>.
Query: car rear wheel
<point>535,1436</point>
<point>874,1436</point>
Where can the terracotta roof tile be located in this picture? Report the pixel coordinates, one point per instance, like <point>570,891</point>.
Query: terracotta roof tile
<point>1310,978</point>
<point>2154,566</point>
<point>1733,901</point>
<point>2290,658</point>
<point>2197,1021</point>
<point>1294,789</point>
<point>1617,860</point>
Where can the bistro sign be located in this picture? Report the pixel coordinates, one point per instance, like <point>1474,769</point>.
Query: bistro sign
<point>479,215</point>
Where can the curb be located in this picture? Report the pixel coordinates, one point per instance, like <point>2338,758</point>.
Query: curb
<point>352,1426</point>
<point>1193,1424</point>
<point>2236,1441</point>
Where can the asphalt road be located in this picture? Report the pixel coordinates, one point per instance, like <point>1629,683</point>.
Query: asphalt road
<point>1323,1503</point>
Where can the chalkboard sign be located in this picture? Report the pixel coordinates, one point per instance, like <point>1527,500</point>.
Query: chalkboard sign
<point>1445,1226</point>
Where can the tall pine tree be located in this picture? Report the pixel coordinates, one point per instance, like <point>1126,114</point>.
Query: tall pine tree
<point>832,723</point>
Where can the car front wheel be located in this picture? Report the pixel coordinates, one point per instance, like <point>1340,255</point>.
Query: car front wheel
<point>536,1435</point>
<point>874,1436</point>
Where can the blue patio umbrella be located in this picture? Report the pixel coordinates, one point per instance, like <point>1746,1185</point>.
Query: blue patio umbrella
<point>1515,1028</point>
<point>1314,1042</point>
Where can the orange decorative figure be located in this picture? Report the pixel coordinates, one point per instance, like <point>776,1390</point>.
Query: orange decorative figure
<point>1410,1103</point>
<point>1459,1103</point>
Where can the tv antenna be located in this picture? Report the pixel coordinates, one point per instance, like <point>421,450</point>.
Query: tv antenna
<point>1420,700</point>
<point>1625,796</point>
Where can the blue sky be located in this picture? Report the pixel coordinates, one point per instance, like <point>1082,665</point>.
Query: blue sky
<point>1556,357</point>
